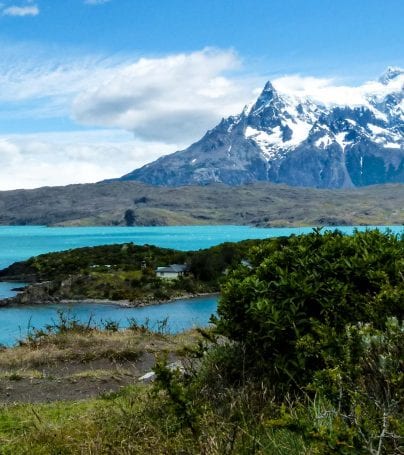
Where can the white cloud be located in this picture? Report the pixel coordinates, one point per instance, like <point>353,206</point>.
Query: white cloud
<point>167,102</point>
<point>49,159</point>
<point>179,97</point>
<point>36,78</point>
<point>330,92</point>
<point>171,98</point>
<point>21,11</point>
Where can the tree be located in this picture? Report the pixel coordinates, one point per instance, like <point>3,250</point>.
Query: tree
<point>129,217</point>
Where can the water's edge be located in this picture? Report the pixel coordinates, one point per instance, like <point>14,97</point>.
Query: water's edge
<point>139,304</point>
<point>18,321</point>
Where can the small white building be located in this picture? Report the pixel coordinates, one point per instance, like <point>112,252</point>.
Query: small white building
<point>172,271</point>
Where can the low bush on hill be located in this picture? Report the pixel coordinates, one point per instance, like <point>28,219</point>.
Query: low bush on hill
<point>314,348</point>
<point>291,307</point>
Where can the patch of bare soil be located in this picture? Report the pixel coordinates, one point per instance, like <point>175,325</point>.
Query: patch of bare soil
<point>79,366</point>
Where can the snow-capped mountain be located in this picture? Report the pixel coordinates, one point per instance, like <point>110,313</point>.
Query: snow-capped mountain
<point>297,140</point>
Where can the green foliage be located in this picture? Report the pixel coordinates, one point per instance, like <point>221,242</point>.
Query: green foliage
<point>358,404</point>
<point>129,217</point>
<point>103,258</point>
<point>291,307</point>
<point>321,426</point>
<point>208,265</point>
<point>110,325</point>
<point>366,382</point>
<point>127,271</point>
<point>169,380</point>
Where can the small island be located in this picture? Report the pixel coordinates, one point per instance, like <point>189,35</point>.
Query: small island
<point>127,274</point>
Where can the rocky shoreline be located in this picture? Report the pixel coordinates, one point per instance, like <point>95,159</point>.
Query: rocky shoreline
<point>139,303</point>
<point>40,294</point>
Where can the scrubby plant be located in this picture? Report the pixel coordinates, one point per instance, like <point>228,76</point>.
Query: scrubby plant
<point>366,383</point>
<point>290,308</point>
<point>110,325</point>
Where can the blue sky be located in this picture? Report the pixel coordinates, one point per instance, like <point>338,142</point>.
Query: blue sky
<point>91,89</point>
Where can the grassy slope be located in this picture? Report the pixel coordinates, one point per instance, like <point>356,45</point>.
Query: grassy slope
<point>61,368</point>
<point>132,421</point>
<point>73,361</point>
<point>115,416</point>
<point>262,204</point>
<point>128,417</point>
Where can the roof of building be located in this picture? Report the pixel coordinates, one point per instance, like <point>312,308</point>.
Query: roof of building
<point>173,268</point>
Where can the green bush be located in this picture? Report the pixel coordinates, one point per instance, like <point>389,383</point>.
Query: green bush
<point>290,308</point>
<point>366,383</point>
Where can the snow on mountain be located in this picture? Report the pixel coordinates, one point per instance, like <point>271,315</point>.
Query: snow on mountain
<point>391,74</point>
<point>299,138</point>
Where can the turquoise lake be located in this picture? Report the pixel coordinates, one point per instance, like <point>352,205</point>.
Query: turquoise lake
<point>21,242</point>
<point>15,322</point>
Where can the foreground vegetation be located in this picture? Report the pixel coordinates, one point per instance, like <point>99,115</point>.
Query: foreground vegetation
<point>306,357</point>
<point>67,362</point>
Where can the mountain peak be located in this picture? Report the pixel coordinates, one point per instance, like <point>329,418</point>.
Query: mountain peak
<point>295,141</point>
<point>268,96</point>
<point>268,87</point>
<point>391,73</point>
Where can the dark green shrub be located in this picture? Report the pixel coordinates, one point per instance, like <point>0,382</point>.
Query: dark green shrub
<point>110,325</point>
<point>290,309</point>
<point>129,217</point>
<point>161,294</point>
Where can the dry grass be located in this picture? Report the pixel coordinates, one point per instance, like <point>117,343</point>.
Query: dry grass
<point>90,345</point>
<point>83,363</point>
<point>100,375</point>
<point>18,375</point>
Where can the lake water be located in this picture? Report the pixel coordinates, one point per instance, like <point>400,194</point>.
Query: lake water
<point>15,322</point>
<point>6,289</point>
<point>21,242</point>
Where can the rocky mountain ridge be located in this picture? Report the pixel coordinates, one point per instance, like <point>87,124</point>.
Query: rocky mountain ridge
<point>296,141</point>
